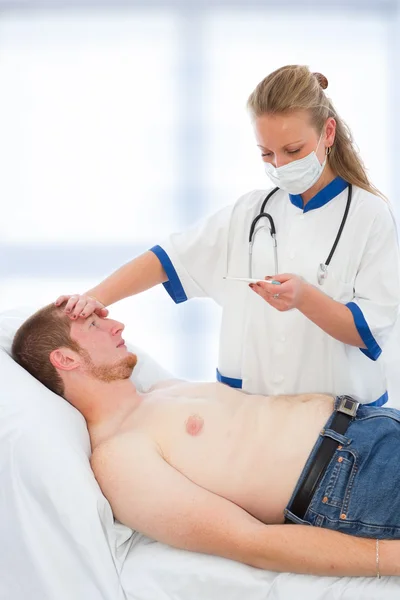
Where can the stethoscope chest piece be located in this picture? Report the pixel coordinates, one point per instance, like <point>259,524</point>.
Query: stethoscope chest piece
<point>322,273</point>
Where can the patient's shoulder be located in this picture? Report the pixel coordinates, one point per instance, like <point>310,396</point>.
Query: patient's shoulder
<point>120,450</point>
<point>119,465</point>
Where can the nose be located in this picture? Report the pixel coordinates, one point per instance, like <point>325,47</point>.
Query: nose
<point>281,161</point>
<point>116,327</point>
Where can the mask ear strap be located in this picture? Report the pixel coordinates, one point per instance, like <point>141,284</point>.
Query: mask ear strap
<point>319,141</point>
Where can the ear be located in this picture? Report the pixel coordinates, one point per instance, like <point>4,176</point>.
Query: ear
<point>330,131</point>
<point>64,359</point>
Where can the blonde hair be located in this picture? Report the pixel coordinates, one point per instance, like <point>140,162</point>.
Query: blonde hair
<point>294,87</point>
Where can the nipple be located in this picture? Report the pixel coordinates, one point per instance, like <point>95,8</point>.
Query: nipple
<point>194,424</point>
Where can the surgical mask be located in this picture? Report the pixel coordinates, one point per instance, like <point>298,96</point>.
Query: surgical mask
<point>298,176</point>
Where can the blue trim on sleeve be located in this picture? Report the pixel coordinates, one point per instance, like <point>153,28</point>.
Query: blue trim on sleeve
<point>373,350</point>
<point>234,383</point>
<point>330,191</point>
<point>173,285</point>
<point>380,402</point>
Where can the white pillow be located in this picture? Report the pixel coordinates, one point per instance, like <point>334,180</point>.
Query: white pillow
<point>57,536</point>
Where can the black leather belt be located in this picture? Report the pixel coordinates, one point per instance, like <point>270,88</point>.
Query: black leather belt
<point>345,412</point>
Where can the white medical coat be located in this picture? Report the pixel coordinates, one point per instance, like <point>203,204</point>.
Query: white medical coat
<point>265,351</point>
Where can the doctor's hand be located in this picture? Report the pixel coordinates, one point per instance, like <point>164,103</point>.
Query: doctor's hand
<point>81,305</point>
<point>285,296</point>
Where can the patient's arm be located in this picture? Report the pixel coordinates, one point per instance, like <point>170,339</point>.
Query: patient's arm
<point>149,495</point>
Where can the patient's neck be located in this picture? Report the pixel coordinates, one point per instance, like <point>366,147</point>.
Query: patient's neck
<point>105,406</point>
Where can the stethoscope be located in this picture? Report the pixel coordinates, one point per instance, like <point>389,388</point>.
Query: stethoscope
<point>322,272</point>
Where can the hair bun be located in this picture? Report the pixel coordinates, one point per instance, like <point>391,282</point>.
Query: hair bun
<point>322,80</point>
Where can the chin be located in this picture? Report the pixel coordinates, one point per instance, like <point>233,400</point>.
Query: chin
<point>119,370</point>
<point>124,367</point>
<point>131,359</point>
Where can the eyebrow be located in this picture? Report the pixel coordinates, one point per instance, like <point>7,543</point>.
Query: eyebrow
<point>283,147</point>
<point>88,321</point>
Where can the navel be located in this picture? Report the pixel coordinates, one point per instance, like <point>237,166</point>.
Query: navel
<point>194,424</point>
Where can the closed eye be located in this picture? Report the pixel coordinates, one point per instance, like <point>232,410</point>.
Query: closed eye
<point>267,154</point>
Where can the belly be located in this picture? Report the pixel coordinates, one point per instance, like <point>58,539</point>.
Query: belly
<point>251,452</point>
<point>277,461</point>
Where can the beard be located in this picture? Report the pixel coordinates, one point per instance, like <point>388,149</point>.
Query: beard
<point>110,372</point>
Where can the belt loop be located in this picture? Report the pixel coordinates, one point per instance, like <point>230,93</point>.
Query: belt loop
<point>338,437</point>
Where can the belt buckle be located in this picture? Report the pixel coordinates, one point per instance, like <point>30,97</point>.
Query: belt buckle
<point>348,406</point>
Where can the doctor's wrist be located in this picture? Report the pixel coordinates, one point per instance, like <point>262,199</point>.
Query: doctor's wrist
<point>95,297</point>
<point>304,295</point>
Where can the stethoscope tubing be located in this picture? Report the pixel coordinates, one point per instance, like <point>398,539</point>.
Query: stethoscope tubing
<point>264,215</point>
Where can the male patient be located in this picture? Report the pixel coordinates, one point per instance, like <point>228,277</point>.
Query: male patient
<point>204,467</point>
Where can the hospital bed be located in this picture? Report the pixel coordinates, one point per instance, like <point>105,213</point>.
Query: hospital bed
<point>58,539</point>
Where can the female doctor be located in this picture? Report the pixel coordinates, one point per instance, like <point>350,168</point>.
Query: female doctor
<point>323,234</point>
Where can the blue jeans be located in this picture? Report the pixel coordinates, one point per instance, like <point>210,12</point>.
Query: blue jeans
<point>359,493</point>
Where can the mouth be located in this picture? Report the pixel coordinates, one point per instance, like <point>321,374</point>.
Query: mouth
<point>122,343</point>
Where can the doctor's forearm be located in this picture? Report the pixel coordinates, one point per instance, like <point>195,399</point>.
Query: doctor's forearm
<point>140,274</point>
<point>332,317</point>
